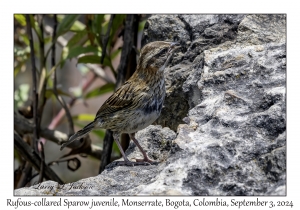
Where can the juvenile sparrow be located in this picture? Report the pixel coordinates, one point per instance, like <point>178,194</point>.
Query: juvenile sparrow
<point>138,102</point>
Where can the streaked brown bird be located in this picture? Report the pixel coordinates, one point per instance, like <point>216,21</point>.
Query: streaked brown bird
<point>138,102</point>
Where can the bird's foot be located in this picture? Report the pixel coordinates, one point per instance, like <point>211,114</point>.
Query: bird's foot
<point>147,161</point>
<point>130,163</point>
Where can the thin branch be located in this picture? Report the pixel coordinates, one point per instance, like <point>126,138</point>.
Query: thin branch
<point>53,47</point>
<point>99,72</point>
<point>42,166</point>
<point>26,172</point>
<point>130,36</point>
<point>107,149</point>
<point>106,38</point>
<point>34,91</point>
<point>59,98</point>
<point>33,158</point>
<point>42,42</point>
<point>42,78</point>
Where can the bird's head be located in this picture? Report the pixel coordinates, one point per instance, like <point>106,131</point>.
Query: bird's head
<point>156,55</point>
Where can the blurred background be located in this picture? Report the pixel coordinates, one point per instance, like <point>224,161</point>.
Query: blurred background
<point>78,60</point>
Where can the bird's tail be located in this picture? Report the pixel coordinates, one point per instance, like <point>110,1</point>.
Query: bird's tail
<point>81,133</point>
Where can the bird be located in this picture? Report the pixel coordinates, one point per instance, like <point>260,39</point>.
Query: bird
<point>137,103</point>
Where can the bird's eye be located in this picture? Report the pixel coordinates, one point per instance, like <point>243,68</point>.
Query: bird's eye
<point>161,52</point>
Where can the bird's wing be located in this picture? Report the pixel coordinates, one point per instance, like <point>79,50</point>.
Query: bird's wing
<point>121,99</point>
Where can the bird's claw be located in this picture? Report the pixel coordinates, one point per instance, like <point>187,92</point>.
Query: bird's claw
<point>147,161</point>
<point>138,163</point>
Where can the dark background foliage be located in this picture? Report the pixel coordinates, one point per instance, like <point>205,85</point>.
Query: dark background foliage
<point>65,67</point>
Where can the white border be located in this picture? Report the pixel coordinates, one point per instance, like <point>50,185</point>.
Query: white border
<point>8,8</point>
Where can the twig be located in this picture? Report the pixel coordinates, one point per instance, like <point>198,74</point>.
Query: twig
<point>60,99</point>
<point>33,158</point>
<point>34,92</point>
<point>106,38</point>
<point>26,172</point>
<point>42,42</point>
<point>127,64</point>
<point>42,78</point>
<point>42,166</point>
<point>107,148</point>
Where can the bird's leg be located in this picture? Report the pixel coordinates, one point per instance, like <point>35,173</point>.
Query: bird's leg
<point>146,159</point>
<point>126,162</point>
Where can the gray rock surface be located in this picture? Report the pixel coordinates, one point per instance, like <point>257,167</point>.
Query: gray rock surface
<point>226,98</point>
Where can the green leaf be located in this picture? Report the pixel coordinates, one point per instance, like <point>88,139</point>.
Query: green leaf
<point>69,53</point>
<point>47,40</point>
<point>114,54</point>
<point>97,24</point>
<point>52,70</point>
<point>25,39</point>
<point>64,56</point>
<point>21,19</point>
<point>35,26</point>
<point>117,23</point>
<point>77,26</point>
<point>66,24</point>
<point>76,51</point>
<point>74,41</point>
<point>89,59</point>
<point>19,67</point>
<point>50,92</point>
<point>100,91</point>
<point>105,24</point>
<point>107,62</point>
<point>142,25</point>
<point>84,117</point>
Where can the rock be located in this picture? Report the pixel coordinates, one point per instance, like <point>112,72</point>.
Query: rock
<point>226,99</point>
<point>196,33</point>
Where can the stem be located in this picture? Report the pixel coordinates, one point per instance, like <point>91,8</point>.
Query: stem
<point>34,90</point>
<point>26,172</point>
<point>60,99</point>
<point>42,165</point>
<point>106,38</point>
<point>43,73</point>
<point>107,148</point>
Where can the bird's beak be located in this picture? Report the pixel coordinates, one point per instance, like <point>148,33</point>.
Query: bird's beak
<point>174,46</point>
